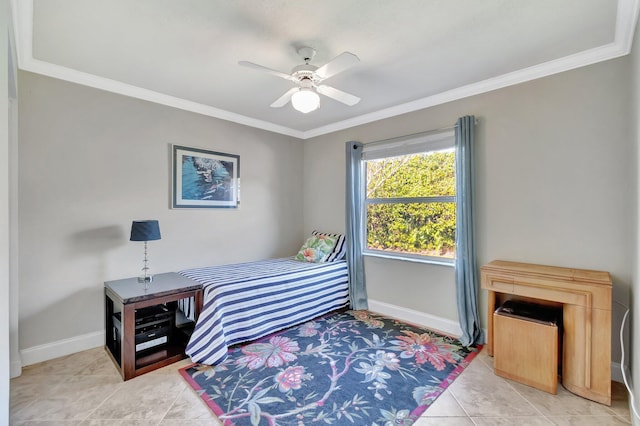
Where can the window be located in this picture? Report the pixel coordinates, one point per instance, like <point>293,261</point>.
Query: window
<point>410,205</point>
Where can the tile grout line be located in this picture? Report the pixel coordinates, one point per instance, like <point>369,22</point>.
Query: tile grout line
<point>172,404</point>
<point>508,383</point>
<point>103,401</point>
<point>459,404</point>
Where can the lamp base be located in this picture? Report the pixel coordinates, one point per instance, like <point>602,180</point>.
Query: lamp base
<point>146,280</point>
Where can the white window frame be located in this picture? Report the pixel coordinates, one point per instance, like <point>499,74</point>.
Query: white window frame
<point>412,144</point>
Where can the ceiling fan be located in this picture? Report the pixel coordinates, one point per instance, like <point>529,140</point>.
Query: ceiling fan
<point>308,78</point>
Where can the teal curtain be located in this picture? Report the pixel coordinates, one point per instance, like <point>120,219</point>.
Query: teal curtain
<point>466,264</point>
<point>355,226</point>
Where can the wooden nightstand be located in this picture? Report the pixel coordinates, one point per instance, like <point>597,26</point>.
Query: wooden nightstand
<point>141,330</point>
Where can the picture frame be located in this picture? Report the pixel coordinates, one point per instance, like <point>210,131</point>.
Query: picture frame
<point>205,179</point>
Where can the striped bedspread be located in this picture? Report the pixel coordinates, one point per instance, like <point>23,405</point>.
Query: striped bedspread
<point>246,301</point>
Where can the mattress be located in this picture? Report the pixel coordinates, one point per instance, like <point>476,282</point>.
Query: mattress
<point>246,301</point>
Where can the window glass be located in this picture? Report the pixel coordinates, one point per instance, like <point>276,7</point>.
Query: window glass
<point>410,205</point>
<point>415,175</point>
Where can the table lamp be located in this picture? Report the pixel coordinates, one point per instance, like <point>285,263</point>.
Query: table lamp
<point>145,230</point>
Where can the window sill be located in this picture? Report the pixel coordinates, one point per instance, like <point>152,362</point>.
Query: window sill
<point>416,259</point>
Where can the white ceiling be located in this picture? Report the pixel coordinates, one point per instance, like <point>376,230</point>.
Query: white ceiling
<point>413,53</point>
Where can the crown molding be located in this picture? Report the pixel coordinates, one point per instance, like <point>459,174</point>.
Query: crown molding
<point>114,86</point>
<point>545,69</point>
<point>626,20</point>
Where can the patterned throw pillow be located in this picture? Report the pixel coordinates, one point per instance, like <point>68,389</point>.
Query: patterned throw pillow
<point>316,249</point>
<point>340,248</point>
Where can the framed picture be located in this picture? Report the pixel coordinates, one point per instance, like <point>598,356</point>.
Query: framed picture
<point>205,179</point>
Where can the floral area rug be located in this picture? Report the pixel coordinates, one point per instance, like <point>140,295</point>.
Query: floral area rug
<point>351,368</point>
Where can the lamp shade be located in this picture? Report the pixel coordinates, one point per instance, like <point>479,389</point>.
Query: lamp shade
<point>145,230</point>
<point>305,100</point>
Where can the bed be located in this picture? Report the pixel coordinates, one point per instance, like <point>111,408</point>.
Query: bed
<point>246,301</point>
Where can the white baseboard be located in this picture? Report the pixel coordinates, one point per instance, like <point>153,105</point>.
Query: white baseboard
<point>616,372</point>
<point>60,348</point>
<point>15,369</point>
<point>444,325</point>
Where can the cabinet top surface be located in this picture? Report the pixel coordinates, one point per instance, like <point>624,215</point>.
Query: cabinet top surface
<point>583,275</point>
<point>130,290</point>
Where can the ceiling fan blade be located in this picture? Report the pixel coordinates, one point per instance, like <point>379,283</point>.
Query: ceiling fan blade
<point>338,95</point>
<point>284,99</point>
<point>265,69</point>
<point>338,64</point>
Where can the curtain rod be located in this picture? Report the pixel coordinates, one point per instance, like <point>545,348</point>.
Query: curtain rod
<point>415,135</point>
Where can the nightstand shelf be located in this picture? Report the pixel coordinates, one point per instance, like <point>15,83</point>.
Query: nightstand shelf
<point>141,330</point>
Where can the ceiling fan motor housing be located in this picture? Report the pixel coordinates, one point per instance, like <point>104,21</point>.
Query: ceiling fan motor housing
<point>305,71</point>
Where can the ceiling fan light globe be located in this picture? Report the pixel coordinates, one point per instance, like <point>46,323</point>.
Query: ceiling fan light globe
<point>305,101</point>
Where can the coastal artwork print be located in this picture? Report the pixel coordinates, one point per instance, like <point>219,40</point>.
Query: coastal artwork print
<point>205,179</point>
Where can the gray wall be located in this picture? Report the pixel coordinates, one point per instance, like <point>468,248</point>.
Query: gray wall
<point>554,172</point>
<point>91,162</point>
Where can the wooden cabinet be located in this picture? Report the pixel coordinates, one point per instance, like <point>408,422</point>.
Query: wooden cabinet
<point>585,299</point>
<point>137,347</point>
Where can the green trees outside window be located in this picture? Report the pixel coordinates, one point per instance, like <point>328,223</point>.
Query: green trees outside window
<point>411,204</point>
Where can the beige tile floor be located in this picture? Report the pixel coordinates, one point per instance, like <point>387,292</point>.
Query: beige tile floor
<point>86,389</point>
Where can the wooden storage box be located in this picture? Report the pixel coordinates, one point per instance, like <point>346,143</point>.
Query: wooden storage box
<point>526,349</point>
